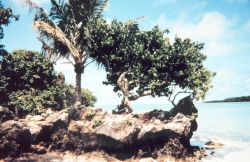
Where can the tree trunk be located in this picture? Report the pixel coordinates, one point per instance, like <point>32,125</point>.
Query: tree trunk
<point>124,87</point>
<point>125,105</point>
<point>78,90</point>
<point>78,96</point>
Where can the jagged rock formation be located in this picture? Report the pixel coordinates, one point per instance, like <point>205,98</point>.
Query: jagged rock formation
<point>155,134</point>
<point>5,114</point>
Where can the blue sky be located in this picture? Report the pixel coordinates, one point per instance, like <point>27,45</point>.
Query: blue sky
<point>223,25</point>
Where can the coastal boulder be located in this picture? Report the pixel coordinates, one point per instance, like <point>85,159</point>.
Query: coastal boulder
<point>159,132</point>
<point>15,138</point>
<point>185,106</point>
<point>153,134</point>
<point>158,114</point>
<point>42,130</point>
<point>121,129</point>
<point>98,130</point>
<point>5,114</point>
<point>213,145</point>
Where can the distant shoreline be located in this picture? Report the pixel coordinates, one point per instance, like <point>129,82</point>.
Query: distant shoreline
<point>233,99</point>
<point>221,101</point>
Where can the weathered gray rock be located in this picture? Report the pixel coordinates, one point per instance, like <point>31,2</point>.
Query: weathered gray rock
<point>87,129</point>
<point>158,114</point>
<point>42,130</point>
<point>213,145</point>
<point>185,107</point>
<point>37,118</point>
<point>119,128</point>
<point>76,126</point>
<point>35,129</point>
<point>5,114</point>
<point>15,138</point>
<point>99,130</point>
<point>180,126</point>
<point>122,129</point>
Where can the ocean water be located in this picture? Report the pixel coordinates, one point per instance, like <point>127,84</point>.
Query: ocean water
<point>227,123</point>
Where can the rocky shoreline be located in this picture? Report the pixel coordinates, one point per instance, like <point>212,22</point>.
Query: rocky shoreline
<point>89,134</point>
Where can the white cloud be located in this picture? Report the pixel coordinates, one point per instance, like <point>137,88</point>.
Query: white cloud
<point>229,83</point>
<point>213,29</point>
<point>211,26</point>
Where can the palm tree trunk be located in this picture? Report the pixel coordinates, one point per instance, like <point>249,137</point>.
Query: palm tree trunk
<point>78,71</point>
<point>78,89</point>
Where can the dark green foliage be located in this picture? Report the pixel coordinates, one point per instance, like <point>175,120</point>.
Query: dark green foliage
<point>6,15</point>
<point>26,69</point>
<point>29,84</point>
<point>118,47</point>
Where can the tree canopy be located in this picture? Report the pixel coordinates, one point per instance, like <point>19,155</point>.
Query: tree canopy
<point>29,84</point>
<point>141,63</point>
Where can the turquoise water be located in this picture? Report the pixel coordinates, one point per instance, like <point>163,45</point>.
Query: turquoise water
<point>227,123</point>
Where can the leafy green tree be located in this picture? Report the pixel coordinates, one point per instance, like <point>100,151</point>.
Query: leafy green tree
<point>141,63</point>
<point>6,15</point>
<point>65,31</point>
<point>29,84</point>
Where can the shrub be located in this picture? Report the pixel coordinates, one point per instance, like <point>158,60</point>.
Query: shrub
<point>97,123</point>
<point>29,84</point>
<point>88,99</point>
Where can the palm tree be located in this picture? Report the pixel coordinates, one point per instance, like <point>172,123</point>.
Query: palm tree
<point>65,31</point>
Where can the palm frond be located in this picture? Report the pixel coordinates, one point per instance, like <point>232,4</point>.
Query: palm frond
<point>102,6</point>
<point>31,4</point>
<point>57,34</point>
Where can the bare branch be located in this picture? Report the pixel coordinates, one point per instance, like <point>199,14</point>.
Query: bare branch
<point>147,93</point>
<point>172,101</point>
